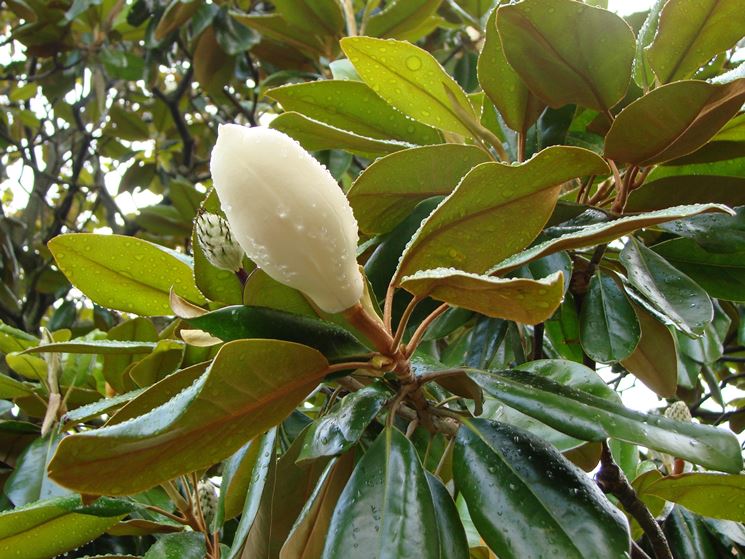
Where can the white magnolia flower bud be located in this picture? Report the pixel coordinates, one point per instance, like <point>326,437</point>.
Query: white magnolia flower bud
<point>289,215</point>
<point>217,243</point>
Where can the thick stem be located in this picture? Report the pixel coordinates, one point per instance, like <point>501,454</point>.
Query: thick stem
<point>611,479</point>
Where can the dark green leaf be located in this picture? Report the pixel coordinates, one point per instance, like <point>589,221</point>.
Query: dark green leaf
<point>600,233</point>
<point>338,431</point>
<point>671,292</point>
<point>527,500</point>
<point>241,322</point>
<point>453,543</point>
<point>721,275</point>
<point>386,509</point>
<point>588,417</point>
<point>609,328</point>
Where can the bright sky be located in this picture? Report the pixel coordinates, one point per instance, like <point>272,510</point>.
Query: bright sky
<point>624,7</point>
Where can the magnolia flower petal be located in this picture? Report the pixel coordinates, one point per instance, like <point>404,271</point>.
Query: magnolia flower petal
<point>288,214</point>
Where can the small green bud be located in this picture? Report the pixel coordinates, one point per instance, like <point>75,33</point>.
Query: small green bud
<point>217,242</point>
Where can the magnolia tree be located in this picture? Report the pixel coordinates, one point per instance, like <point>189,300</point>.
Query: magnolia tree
<point>398,321</point>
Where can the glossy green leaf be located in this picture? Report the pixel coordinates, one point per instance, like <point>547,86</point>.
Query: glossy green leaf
<point>338,431</point>
<point>352,106</point>
<point>241,322</point>
<point>262,290</point>
<point>603,232</point>
<point>276,28</point>
<point>386,508</point>
<point>29,482</point>
<point>672,121</point>
<point>591,418</point>
<point>721,275</point>
<point>236,480</point>
<point>114,365</point>
<point>263,475</point>
<point>400,18</point>
<point>502,84</point>
<point>313,16</point>
<point>251,385</point>
<point>495,211</point>
<point>527,500</point>
<point>103,406</point>
<point>568,52</point>
<point>164,360</point>
<point>642,72</point>
<point>411,80</point>
<point>158,394</point>
<point>124,273</point>
<point>574,375</point>
<point>687,536</point>
<point>47,528</point>
<point>308,535</point>
<point>518,299</point>
<point>389,189</point>
<point>654,360</point>
<point>668,290</point>
<point>453,542</point>
<point>696,189</point>
<point>314,136</point>
<point>185,545</point>
<point>11,388</point>
<point>285,495</point>
<point>99,347</point>
<point>691,33</point>
<point>562,331</point>
<point>713,495</point>
<point>609,329</point>
<point>28,366</point>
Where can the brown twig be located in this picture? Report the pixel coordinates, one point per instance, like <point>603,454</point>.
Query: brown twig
<point>611,479</point>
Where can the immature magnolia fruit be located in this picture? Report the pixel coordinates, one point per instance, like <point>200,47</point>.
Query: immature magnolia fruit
<point>289,215</point>
<point>217,243</point>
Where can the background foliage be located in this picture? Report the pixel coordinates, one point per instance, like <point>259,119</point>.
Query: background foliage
<point>631,143</point>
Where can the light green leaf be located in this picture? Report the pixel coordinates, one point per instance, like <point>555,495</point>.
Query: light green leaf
<point>518,299</point>
<point>251,385</point>
<point>691,33</point>
<point>352,106</point>
<point>185,545</point>
<point>668,290</point>
<point>712,495</point>
<point>609,329</point>
<point>602,233</point>
<point>411,80</point>
<point>47,528</point>
<point>496,210</point>
<point>389,189</point>
<point>672,121</point>
<point>568,52</point>
<point>124,273</point>
<point>314,136</point>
